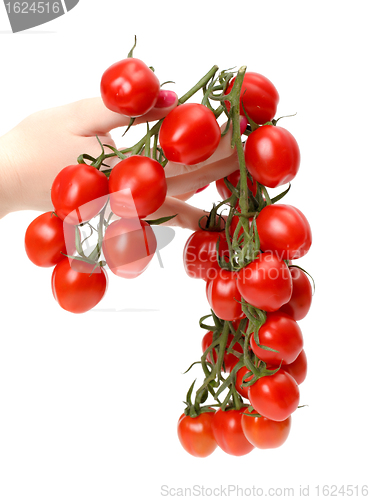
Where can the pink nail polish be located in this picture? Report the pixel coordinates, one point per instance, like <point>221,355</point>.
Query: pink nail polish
<point>243,124</point>
<point>165,99</point>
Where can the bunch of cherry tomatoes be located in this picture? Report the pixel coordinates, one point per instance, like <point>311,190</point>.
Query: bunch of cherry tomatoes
<point>253,358</point>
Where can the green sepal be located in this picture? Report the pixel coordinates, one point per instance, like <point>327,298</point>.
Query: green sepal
<point>281,195</point>
<point>157,222</point>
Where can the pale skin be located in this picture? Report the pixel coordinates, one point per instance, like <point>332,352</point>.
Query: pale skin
<point>33,152</point>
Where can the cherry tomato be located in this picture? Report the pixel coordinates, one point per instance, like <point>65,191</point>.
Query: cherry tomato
<point>229,359</point>
<point>228,432</point>
<point>243,375</point>
<point>297,369</point>
<point>284,230</point>
<point>272,156</point>
<point>264,433</point>
<point>234,178</point>
<point>300,301</point>
<point>189,134</point>
<point>129,87</point>
<point>200,253</point>
<point>78,287</point>
<point>223,295</point>
<point>275,396</point>
<point>129,246</point>
<point>137,187</point>
<point>258,96</point>
<point>279,332</point>
<point>196,435</point>
<point>265,283</point>
<point>78,193</point>
<point>44,240</point>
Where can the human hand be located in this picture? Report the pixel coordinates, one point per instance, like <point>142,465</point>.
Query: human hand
<point>33,153</point>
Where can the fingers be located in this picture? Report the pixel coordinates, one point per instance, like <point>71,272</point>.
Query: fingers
<point>90,116</point>
<point>187,216</point>
<point>191,181</point>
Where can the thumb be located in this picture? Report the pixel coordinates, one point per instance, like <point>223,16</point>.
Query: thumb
<point>91,117</point>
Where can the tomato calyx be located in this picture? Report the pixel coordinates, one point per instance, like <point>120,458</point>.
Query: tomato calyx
<point>193,410</point>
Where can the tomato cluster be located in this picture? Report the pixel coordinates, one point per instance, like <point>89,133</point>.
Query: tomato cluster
<point>133,189</point>
<point>79,194</point>
<point>254,350</point>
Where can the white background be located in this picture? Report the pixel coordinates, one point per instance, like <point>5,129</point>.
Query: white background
<point>89,403</point>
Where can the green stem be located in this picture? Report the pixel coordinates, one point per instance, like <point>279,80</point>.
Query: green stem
<point>202,82</point>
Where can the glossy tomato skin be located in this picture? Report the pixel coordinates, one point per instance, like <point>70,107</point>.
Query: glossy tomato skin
<point>234,178</point>
<point>272,156</point>
<point>297,369</point>
<point>200,253</point>
<point>275,396</point>
<point>129,87</point>
<point>78,193</point>
<point>243,375</point>
<point>45,240</point>
<point>284,230</point>
<point>196,434</point>
<point>265,283</point>
<point>264,433</point>
<point>77,286</point>
<point>258,96</point>
<point>279,332</point>
<point>223,295</point>
<point>229,359</point>
<point>228,432</point>
<point>301,299</point>
<point>189,134</point>
<point>128,247</point>
<point>137,187</point>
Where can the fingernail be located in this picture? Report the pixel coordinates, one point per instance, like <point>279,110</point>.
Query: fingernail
<point>165,99</point>
<point>243,124</point>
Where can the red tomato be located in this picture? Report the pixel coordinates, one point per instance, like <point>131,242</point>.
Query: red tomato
<point>196,435</point>
<point>259,97</point>
<point>284,230</point>
<point>78,193</point>
<point>300,301</point>
<point>129,246</point>
<point>279,332</point>
<point>275,396</point>
<point>242,375</point>
<point>225,192</point>
<point>129,87</point>
<point>264,433</point>
<point>265,283</point>
<point>228,432</point>
<point>137,187</point>
<point>44,240</point>
<point>297,369</point>
<point>76,287</point>
<point>189,134</point>
<point>200,253</point>
<point>272,156</point>
<point>223,295</point>
<point>229,359</point>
